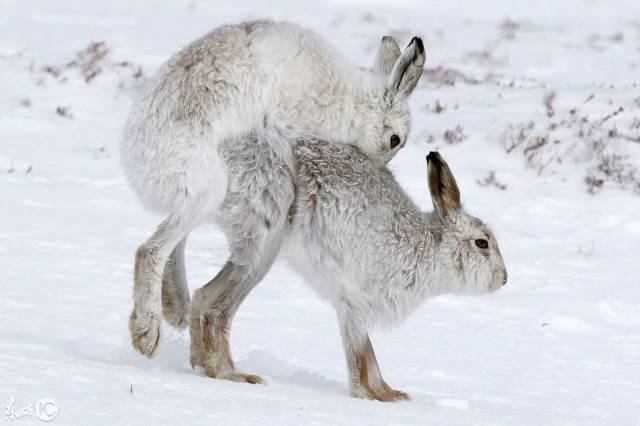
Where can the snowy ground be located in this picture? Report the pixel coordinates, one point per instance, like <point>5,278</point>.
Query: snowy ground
<point>559,345</point>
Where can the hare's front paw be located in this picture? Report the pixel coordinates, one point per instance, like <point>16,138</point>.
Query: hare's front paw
<point>145,332</point>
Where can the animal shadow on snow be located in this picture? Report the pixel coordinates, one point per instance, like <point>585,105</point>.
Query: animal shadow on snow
<point>273,368</point>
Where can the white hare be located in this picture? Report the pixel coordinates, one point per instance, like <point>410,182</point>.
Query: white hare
<point>233,79</point>
<point>350,230</point>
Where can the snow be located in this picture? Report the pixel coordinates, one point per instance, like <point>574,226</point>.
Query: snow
<point>559,345</point>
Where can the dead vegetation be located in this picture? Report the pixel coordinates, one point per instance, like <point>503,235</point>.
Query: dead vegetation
<point>439,108</point>
<point>487,55</point>
<point>89,63</point>
<point>509,28</point>
<point>549,99</point>
<point>88,60</point>
<point>447,76</point>
<point>491,181</point>
<point>455,135</point>
<point>24,168</point>
<point>574,136</point>
<point>64,112</point>
<point>611,167</point>
<point>598,42</point>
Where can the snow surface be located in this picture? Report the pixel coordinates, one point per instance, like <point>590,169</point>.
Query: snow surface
<point>559,345</point>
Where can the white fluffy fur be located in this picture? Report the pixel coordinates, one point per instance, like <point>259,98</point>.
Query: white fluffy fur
<point>236,78</point>
<point>352,233</point>
<point>364,246</point>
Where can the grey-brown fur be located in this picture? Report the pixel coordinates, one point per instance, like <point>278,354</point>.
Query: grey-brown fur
<point>175,291</point>
<point>353,234</point>
<point>217,89</point>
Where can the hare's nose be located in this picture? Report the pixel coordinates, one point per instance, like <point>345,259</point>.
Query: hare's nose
<point>504,277</point>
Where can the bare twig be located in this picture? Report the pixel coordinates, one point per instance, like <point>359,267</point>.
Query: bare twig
<point>549,99</point>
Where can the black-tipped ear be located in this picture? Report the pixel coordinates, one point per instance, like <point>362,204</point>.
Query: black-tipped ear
<point>442,186</point>
<point>407,70</point>
<point>388,54</point>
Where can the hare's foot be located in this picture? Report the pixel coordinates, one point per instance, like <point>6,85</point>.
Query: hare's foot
<point>368,392</point>
<point>175,292</point>
<point>151,261</point>
<point>239,377</point>
<point>218,363</point>
<point>376,391</point>
<point>145,332</point>
<point>393,394</point>
<point>216,359</point>
<point>365,379</point>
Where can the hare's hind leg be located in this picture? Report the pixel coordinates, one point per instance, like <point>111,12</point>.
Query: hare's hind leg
<point>215,304</point>
<point>375,376</point>
<point>365,379</point>
<point>151,258</point>
<point>255,214</point>
<point>212,311</point>
<point>175,291</point>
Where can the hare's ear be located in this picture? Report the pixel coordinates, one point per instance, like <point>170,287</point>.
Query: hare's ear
<point>388,54</point>
<point>442,186</point>
<point>407,70</point>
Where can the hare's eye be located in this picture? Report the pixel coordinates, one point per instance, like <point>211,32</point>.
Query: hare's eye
<point>481,243</point>
<point>394,141</point>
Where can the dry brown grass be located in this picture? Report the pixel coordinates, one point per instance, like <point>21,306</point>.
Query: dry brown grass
<point>447,76</point>
<point>455,135</point>
<point>574,136</point>
<point>491,181</point>
<point>89,63</point>
<point>65,112</point>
